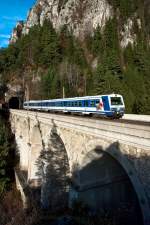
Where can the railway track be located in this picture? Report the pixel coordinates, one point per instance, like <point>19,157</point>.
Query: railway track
<point>101,118</point>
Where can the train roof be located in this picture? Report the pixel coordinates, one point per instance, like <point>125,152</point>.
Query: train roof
<point>76,98</point>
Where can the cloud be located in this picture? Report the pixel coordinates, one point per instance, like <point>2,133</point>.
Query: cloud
<point>4,43</point>
<point>4,40</point>
<point>5,36</point>
<point>2,26</point>
<point>13,19</point>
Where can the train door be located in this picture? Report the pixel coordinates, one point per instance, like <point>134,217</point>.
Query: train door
<point>86,105</point>
<point>99,104</point>
<point>106,103</point>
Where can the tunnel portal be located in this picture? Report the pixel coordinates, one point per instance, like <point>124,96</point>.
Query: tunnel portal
<point>14,103</point>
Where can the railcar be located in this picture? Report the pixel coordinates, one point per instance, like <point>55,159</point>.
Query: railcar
<point>111,105</point>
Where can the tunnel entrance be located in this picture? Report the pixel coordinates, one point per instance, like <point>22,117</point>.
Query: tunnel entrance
<point>104,186</point>
<point>14,103</point>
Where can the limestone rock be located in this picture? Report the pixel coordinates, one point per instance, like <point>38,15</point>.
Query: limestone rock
<point>81,16</point>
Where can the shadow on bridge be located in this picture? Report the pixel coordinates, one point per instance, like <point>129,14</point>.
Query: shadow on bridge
<point>53,168</point>
<point>104,187</point>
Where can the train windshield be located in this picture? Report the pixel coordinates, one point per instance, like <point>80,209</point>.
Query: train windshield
<point>116,101</point>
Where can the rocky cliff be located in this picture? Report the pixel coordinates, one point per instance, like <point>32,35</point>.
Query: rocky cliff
<point>17,32</point>
<point>81,16</point>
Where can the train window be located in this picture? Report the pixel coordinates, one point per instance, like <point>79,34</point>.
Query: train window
<point>97,101</point>
<point>86,104</point>
<point>116,101</point>
<point>80,103</point>
<point>92,103</point>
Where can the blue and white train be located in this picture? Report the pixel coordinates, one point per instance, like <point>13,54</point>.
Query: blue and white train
<point>111,105</point>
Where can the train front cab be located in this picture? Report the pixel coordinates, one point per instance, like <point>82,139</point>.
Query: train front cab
<point>114,106</point>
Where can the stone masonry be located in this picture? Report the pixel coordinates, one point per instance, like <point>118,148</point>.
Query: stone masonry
<point>51,142</point>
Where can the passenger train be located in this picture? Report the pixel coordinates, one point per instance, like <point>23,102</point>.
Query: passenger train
<point>111,105</point>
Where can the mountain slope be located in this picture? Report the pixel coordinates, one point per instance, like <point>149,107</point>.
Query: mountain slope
<point>88,47</point>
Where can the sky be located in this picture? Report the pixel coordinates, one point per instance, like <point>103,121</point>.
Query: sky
<point>10,12</point>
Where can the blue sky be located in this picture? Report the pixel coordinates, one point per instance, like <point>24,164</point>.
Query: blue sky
<point>10,12</point>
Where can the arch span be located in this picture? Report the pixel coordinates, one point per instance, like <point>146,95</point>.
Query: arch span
<point>107,181</point>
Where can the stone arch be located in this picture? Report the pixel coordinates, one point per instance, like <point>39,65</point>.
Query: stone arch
<point>112,177</point>
<point>115,151</point>
<point>55,172</point>
<point>36,146</point>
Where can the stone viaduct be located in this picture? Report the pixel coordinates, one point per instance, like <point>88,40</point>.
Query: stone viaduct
<point>103,163</point>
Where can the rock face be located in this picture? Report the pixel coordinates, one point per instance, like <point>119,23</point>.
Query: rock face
<point>17,32</point>
<point>80,16</point>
